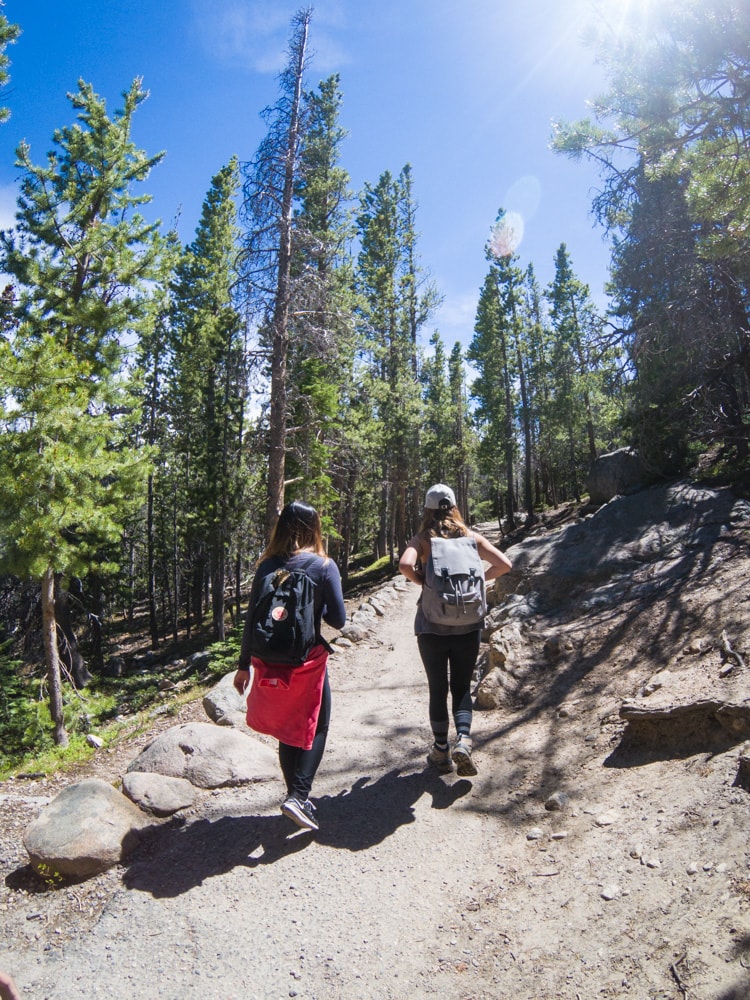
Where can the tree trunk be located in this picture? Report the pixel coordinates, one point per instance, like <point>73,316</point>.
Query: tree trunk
<point>280,326</point>
<point>217,594</point>
<point>574,475</point>
<point>509,466</point>
<point>346,528</point>
<point>197,584</point>
<point>176,577</point>
<point>96,616</point>
<point>238,586</point>
<point>528,491</point>
<point>150,568</point>
<point>49,630</point>
<point>131,588</point>
<point>70,654</point>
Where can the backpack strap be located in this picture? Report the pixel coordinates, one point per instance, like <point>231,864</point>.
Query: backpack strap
<point>303,568</point>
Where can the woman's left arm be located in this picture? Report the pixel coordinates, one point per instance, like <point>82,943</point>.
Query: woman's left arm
<point>334,610</point>
<point>245,654</point>
<point>500,564</point>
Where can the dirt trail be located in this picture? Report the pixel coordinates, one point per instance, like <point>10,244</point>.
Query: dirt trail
<point>419,885</point>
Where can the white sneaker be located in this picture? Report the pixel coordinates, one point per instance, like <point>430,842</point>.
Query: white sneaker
<point>301,813</point>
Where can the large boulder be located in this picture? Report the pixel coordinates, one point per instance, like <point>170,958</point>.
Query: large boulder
<point>614,474</point>
<point>225,706</point>
<point>158,794</point>
<point>208,756</point>
<point>86,829</point>
<point>507,664</point>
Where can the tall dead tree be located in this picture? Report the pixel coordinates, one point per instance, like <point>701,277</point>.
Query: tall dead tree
<point>267,254</point>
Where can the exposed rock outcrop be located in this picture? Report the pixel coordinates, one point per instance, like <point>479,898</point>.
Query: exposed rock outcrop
<point>225,706</point>
<point>594,576</point>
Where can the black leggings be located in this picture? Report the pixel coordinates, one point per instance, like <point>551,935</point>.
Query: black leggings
<point>459,652</point>
<point>299,766</point>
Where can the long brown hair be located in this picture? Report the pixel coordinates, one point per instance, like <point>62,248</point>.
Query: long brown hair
<point>446,523</point>
<point>298,527</point>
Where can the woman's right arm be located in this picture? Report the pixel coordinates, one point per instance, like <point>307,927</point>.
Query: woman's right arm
<point>410,560</point>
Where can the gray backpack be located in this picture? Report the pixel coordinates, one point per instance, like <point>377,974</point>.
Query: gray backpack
<point>453,592</point>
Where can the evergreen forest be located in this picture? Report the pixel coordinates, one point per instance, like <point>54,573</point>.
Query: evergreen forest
<point>160,402</point>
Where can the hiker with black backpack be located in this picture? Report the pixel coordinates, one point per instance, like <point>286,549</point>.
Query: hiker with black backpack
<point>445,559</point>
<point>295,586</point>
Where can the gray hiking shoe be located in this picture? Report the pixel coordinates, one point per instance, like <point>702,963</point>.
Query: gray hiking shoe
<point>465,766</point>
<point>441,759</point>
<point>301,813</point>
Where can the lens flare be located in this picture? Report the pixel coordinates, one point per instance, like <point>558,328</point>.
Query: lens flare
<point>506,235</point>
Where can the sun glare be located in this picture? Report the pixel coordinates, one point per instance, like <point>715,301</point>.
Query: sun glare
<point>618,14</point>
<point>506,235</point>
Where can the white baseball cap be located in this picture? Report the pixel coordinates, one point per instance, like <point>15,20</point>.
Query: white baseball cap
<point>437,495</point>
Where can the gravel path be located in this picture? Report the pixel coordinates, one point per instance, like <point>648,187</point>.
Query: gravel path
<point>237,903</point>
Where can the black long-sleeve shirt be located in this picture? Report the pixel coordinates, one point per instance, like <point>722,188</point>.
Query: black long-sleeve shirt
<point>328,601</point>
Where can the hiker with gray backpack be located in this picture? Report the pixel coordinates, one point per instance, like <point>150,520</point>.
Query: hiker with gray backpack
<point>445,558</point>
<point>288,694</point>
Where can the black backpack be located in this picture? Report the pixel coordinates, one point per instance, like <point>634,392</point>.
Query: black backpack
<point>454,591</point>
<point>282,626</point>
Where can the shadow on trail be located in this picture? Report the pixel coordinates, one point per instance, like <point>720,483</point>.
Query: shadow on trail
<point>741,990</point>
<point>671,741</point>
<point>177,858</point>
<point>365,815</point>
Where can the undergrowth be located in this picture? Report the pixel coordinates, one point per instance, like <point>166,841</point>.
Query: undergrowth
<point>110,708</point>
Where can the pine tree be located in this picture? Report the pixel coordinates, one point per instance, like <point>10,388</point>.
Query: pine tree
<point>321,346</point>
<point>79,255</point>
<point>582,366</point>
<point>494,353</point>
<point>438,427</point>
<point>208,390</point>
<point>8,34</point>
<point>493,389</point>
<point>537,354</point>
<point>570,315</point>
<point>396,301</point>
<point>153,365</point>
<point>447,441</point>
<point>681,344</point>
<point>463,441</point>
<point>526,414</point>
<point>670,139</point>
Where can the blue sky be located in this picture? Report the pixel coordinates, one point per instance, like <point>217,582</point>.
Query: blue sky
<point>463,90</point>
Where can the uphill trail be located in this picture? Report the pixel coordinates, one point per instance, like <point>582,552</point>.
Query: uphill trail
<point>419,885</point>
